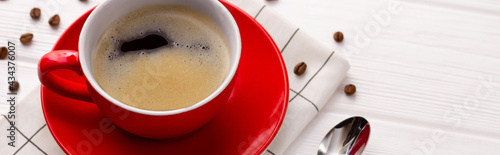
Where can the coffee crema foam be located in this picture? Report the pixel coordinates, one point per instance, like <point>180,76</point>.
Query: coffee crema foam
<point>190,67</point>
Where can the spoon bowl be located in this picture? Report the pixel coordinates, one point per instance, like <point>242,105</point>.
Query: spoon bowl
<point>349,137</point>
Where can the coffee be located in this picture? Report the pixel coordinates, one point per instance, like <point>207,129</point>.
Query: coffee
<point>161,57</point>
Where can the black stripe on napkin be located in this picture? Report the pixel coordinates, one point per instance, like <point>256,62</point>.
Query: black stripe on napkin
<point>258,13</point>
<point>293,35</point>
<point>328,59</point>
<point>28,139</point>
<point>305,99</point>
<point>270,152</point>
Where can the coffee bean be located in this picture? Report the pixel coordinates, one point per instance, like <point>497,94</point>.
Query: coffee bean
<point>338,36</point>
<point>300,68</point>
<point>54,20</point>
<point>350,89</point>
<point>3,52</point>
<point>35,13</point>
<point>14,86</point>
<point>26,38</point>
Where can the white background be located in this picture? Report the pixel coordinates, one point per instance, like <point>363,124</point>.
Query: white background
<point>428,78</point>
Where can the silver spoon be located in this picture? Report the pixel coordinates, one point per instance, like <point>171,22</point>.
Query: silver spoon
<point>349,137</point>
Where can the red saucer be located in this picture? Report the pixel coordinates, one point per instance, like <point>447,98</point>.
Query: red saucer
<point>246,125</point>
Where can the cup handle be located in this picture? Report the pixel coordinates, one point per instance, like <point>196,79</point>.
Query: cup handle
<point>63,59</point>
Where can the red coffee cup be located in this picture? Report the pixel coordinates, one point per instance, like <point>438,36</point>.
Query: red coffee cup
<point>145,123</point>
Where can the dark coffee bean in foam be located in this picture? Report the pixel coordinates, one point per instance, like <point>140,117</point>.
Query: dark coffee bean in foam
<point>161,57</point>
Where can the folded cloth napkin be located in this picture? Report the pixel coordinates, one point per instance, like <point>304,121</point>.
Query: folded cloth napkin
<point>308,92</point>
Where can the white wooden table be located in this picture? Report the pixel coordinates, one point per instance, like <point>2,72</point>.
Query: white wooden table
<point>428,80</point>
<point>427,72</point>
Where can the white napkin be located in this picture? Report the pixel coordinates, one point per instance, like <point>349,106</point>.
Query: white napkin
<point>308,92</point>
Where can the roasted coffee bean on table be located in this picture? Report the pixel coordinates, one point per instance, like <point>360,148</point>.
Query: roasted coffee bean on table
<point>14,86</point>
<point>300,68</point>
<point>54,20</point>
<point>350,89</point>
<point>3,52</point>
<point>26,38</point>
<point>338,36</point>
<point>35,13</point>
